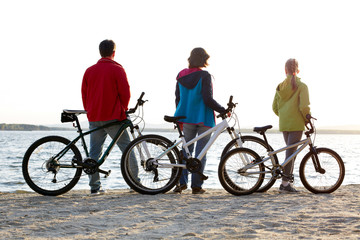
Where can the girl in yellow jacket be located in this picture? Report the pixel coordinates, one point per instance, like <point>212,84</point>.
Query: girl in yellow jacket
<point>291,104</point>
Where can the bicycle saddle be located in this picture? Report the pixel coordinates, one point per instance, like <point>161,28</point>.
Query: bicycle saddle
<point>262,130</point>
<point>173,119</point>
<point>74,111</point>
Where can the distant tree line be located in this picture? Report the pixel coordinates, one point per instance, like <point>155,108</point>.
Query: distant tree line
<point>27,127</point>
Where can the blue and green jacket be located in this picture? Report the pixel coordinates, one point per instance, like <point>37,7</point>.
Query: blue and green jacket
<point>194,97</point>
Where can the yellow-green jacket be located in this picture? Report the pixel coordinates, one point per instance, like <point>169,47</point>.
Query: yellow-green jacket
<point>291,106</point>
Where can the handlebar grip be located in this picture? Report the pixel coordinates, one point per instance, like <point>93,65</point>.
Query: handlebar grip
<point>141,96</point>
<point>231,98</point>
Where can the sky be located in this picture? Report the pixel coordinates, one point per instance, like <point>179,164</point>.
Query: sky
<point>46,46</point>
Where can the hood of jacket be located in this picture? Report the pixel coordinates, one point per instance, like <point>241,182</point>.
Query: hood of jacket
<point>190,77</point>
<point>285,90</point>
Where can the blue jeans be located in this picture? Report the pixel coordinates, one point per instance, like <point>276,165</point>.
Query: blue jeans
<point>190,132</point>
<point>97,140</point>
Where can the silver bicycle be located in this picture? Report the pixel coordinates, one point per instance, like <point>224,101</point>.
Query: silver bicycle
<point>160,161</point>
<point>242,171</point>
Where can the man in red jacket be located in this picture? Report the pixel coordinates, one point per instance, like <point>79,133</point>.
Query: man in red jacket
<point>106,95</point>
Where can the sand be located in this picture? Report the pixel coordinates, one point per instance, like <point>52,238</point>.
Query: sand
<point>121,214</point>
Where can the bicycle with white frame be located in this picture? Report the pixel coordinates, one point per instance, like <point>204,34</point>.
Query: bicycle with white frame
<point>241,171</point>
<point>160,161</point>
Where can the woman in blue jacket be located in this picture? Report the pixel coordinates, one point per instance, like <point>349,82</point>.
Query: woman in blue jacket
<point>194,99</point>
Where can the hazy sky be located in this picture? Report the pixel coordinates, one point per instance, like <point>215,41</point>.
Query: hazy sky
<point>47,45</point>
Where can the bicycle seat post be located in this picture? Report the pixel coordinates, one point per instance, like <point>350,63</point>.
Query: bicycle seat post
<point>265,139</point>
<point>77,125</point>
<point>177,124</point>
<point>261,131</point>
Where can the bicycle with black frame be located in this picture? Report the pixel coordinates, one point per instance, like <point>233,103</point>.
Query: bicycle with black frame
<point>53,165</point>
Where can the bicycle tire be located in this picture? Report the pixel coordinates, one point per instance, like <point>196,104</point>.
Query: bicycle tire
<point>143,177</point>
<point>39,173</point>
<point>259,146</point>
<point>229,172</point>
<point>328,181</point>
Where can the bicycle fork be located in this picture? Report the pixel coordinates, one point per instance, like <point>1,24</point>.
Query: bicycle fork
<point>315,160</point>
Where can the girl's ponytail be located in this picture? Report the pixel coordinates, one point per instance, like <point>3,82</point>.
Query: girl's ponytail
<point>293,81</point>
<point>291,67</point>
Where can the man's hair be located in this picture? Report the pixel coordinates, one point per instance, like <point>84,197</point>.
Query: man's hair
<point>198,58</point>
<point>107,47</point>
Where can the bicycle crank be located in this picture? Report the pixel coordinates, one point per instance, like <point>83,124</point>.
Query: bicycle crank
<point>277,171</point>
<point>194,165</point>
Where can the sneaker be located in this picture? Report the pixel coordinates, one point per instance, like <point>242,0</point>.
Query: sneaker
<point>198,190</point>
<point>98,191</point>
<point>180,188</point>
<point>288,189</point>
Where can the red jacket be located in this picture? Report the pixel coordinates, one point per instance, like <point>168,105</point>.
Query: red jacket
<point>105,91</point>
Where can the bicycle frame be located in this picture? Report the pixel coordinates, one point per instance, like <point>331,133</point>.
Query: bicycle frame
<point>124,124</point>
<point>303,143</point>
<point>217,130</point>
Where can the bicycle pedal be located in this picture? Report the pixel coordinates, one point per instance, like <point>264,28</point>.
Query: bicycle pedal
<point>203,177</point>
<point>106,173</point>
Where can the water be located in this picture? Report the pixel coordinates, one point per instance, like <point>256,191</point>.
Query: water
<point>13,145</point>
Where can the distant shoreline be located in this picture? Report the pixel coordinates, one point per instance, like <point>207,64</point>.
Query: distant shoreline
<point>29,127</point>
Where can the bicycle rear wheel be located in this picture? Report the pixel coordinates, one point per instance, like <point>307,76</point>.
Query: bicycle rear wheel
<point>330,175</point>
<point>259,146</point>
<point>49,176</point>
<point>238,172</point>
<point>141,174</point>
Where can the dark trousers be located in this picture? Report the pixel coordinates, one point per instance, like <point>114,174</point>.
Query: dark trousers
<point>290,138</point>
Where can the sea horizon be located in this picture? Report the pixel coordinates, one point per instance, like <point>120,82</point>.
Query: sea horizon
<point>341,129</point>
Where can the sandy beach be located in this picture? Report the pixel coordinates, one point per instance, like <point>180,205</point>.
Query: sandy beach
<point>121,214</point>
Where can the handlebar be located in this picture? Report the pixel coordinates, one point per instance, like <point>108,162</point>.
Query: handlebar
<point>229,109</point>
<point>139,102</point>
<point>311,129</point>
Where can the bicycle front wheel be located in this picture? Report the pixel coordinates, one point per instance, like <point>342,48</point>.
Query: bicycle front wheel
<point>46,174</point>
<point>259,146</point>
<point>325,178</point>
<point>239,173</point>
<point>144,175</point>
